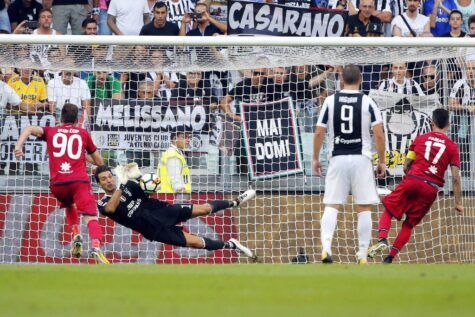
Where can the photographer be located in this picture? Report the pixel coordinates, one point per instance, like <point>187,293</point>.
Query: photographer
<point>204,24</point>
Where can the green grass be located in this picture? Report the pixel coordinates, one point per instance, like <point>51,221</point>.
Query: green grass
<point>237,290</point>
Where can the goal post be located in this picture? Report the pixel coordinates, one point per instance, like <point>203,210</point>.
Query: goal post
<point>250,105</point>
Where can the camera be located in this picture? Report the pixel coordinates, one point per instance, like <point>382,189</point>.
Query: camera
<point>196,16</point>
<point>32,25</point>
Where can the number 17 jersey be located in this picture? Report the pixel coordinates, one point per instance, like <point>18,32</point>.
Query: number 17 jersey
<point>67,146</point>
<point>434,153</point>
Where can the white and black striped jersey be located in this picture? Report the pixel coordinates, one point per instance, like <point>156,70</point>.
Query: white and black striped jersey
<point>380,5</point>
<point>409,87</point>
<point>349,116</point>
<point>177,9</point>
<point>397,7</point>
<point>463,92</point>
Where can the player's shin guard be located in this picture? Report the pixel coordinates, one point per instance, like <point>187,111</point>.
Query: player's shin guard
<point>219,205</point>
<point>384,225</point>
<point>364,233</point>
<point>402,238</point>
<point>95,233</point>
<point>72,218</point>
<point>212,245</point>
<point>328,225</point>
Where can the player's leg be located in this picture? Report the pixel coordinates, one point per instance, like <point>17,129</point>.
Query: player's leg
<point>218,205</point>
<point>383,230</point>
<point>365,224</point>
<point>197,242</point>
<point>365,196</point>
<point>401,240</point>
<point>337,188</point>
<point>72,217</point>
<point>86,206</point>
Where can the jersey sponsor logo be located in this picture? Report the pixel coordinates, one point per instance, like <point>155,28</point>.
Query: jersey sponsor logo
<point>347,99</point>
<point>133,206</point>
<point>65,168</point>
<point>340,140</point>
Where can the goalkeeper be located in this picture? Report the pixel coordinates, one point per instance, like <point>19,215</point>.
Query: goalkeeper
<point>128,205</point>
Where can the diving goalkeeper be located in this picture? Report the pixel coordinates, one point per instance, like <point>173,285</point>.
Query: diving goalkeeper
<point>128,205</point>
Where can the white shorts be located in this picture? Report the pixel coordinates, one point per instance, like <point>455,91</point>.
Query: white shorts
<point>350,175</point>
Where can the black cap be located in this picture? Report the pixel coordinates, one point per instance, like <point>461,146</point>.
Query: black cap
<point>375,28</point>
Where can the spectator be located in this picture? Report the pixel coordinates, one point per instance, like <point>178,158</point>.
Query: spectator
<point>104,86</point>
<point>471,25</point>
<point>66,12</point>
<point>39,53</point>
<point>357,24</point>
<point>69,89</point>
<point>467,7</point>
<point>398,83</point>
<point>177,9</point>
<point>4,20</point>
<point>429,79</point>
<point>125,17</point>
<point>159,24</point>
<point>81,54</point>
<point>31,89</point>
<point>382,9</point>
<point>145,91</point>
<point>205,25</point>
<point>55,57</point>
<point>455,21</point>
<point>139,58</point>
<point>89,26</point>
<point>438,12</point>
<point>23,10</point>
<point>99,12</point>
<point>462,104</point>
<point>417,24</point>
<point>279,78</point>
<point>195,87</point>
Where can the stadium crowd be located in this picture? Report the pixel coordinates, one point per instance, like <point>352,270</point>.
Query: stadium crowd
<point>25,90</point>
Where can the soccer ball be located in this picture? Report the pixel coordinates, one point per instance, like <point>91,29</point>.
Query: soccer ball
<point>150,182</point>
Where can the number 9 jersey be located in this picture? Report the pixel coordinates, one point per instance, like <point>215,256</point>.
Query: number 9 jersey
<point>434,152</point>
<point>67,146</point>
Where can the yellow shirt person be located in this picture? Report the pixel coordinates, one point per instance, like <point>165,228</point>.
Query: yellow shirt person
<point>30,88</point>
<point>173,169</point>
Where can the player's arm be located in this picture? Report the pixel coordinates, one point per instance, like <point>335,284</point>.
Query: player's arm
<point>174,168</point>
<point>457,188</point>
<point>410,157</point>
<point>25,134</point>
<point>114,202</point>
<point>96,158</point>
<point>318,138</point>
<point>379,140</point>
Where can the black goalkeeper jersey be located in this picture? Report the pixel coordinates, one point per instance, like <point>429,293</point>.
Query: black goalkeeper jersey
<point>134,210</point>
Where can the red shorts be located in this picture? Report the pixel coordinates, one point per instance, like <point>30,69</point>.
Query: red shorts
<point>412,197</point>
<point>76,193</point>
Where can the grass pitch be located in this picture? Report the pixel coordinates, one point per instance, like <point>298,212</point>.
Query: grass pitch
<point>237,290</point>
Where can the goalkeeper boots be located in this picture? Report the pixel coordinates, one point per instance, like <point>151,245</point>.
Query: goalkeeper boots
<point>76,249</point>
<point>245,197</point>
<point>326,258</point>
<point>362,261</point>
<point>97,254</point>
<point>381,246</point>
<point>242,249</point>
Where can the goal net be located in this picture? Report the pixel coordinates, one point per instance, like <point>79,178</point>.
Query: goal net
<point>250,105</point>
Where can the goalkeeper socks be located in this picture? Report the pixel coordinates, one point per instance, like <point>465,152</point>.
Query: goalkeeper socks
<point>72,218</point>
<point>384,225</point>
<point>364,233</point>
<point>212,245</point>
<point>219,205</point>
<point>328,225</point>
<point>95,232</point>
<point>402,238</point>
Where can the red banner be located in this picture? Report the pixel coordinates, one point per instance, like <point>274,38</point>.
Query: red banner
<point>33,229</point>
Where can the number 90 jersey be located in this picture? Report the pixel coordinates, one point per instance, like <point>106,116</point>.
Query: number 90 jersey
<point>67,146</point>
<point>349,116</point>
<point>434,152</point>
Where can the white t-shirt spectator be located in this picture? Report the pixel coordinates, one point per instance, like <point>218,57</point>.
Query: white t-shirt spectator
<point>8,96</point>
<point>417,25</point>
<point>75,93</point>
<point>129,15</point>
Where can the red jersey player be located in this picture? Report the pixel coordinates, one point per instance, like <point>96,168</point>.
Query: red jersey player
<point>67,145</point>
<point>429,157</point>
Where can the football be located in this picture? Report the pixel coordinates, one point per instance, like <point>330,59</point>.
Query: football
<point>150,182</point>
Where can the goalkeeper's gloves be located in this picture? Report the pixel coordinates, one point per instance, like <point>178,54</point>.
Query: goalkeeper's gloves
<point>121,174</point>
<point>132,171</point>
